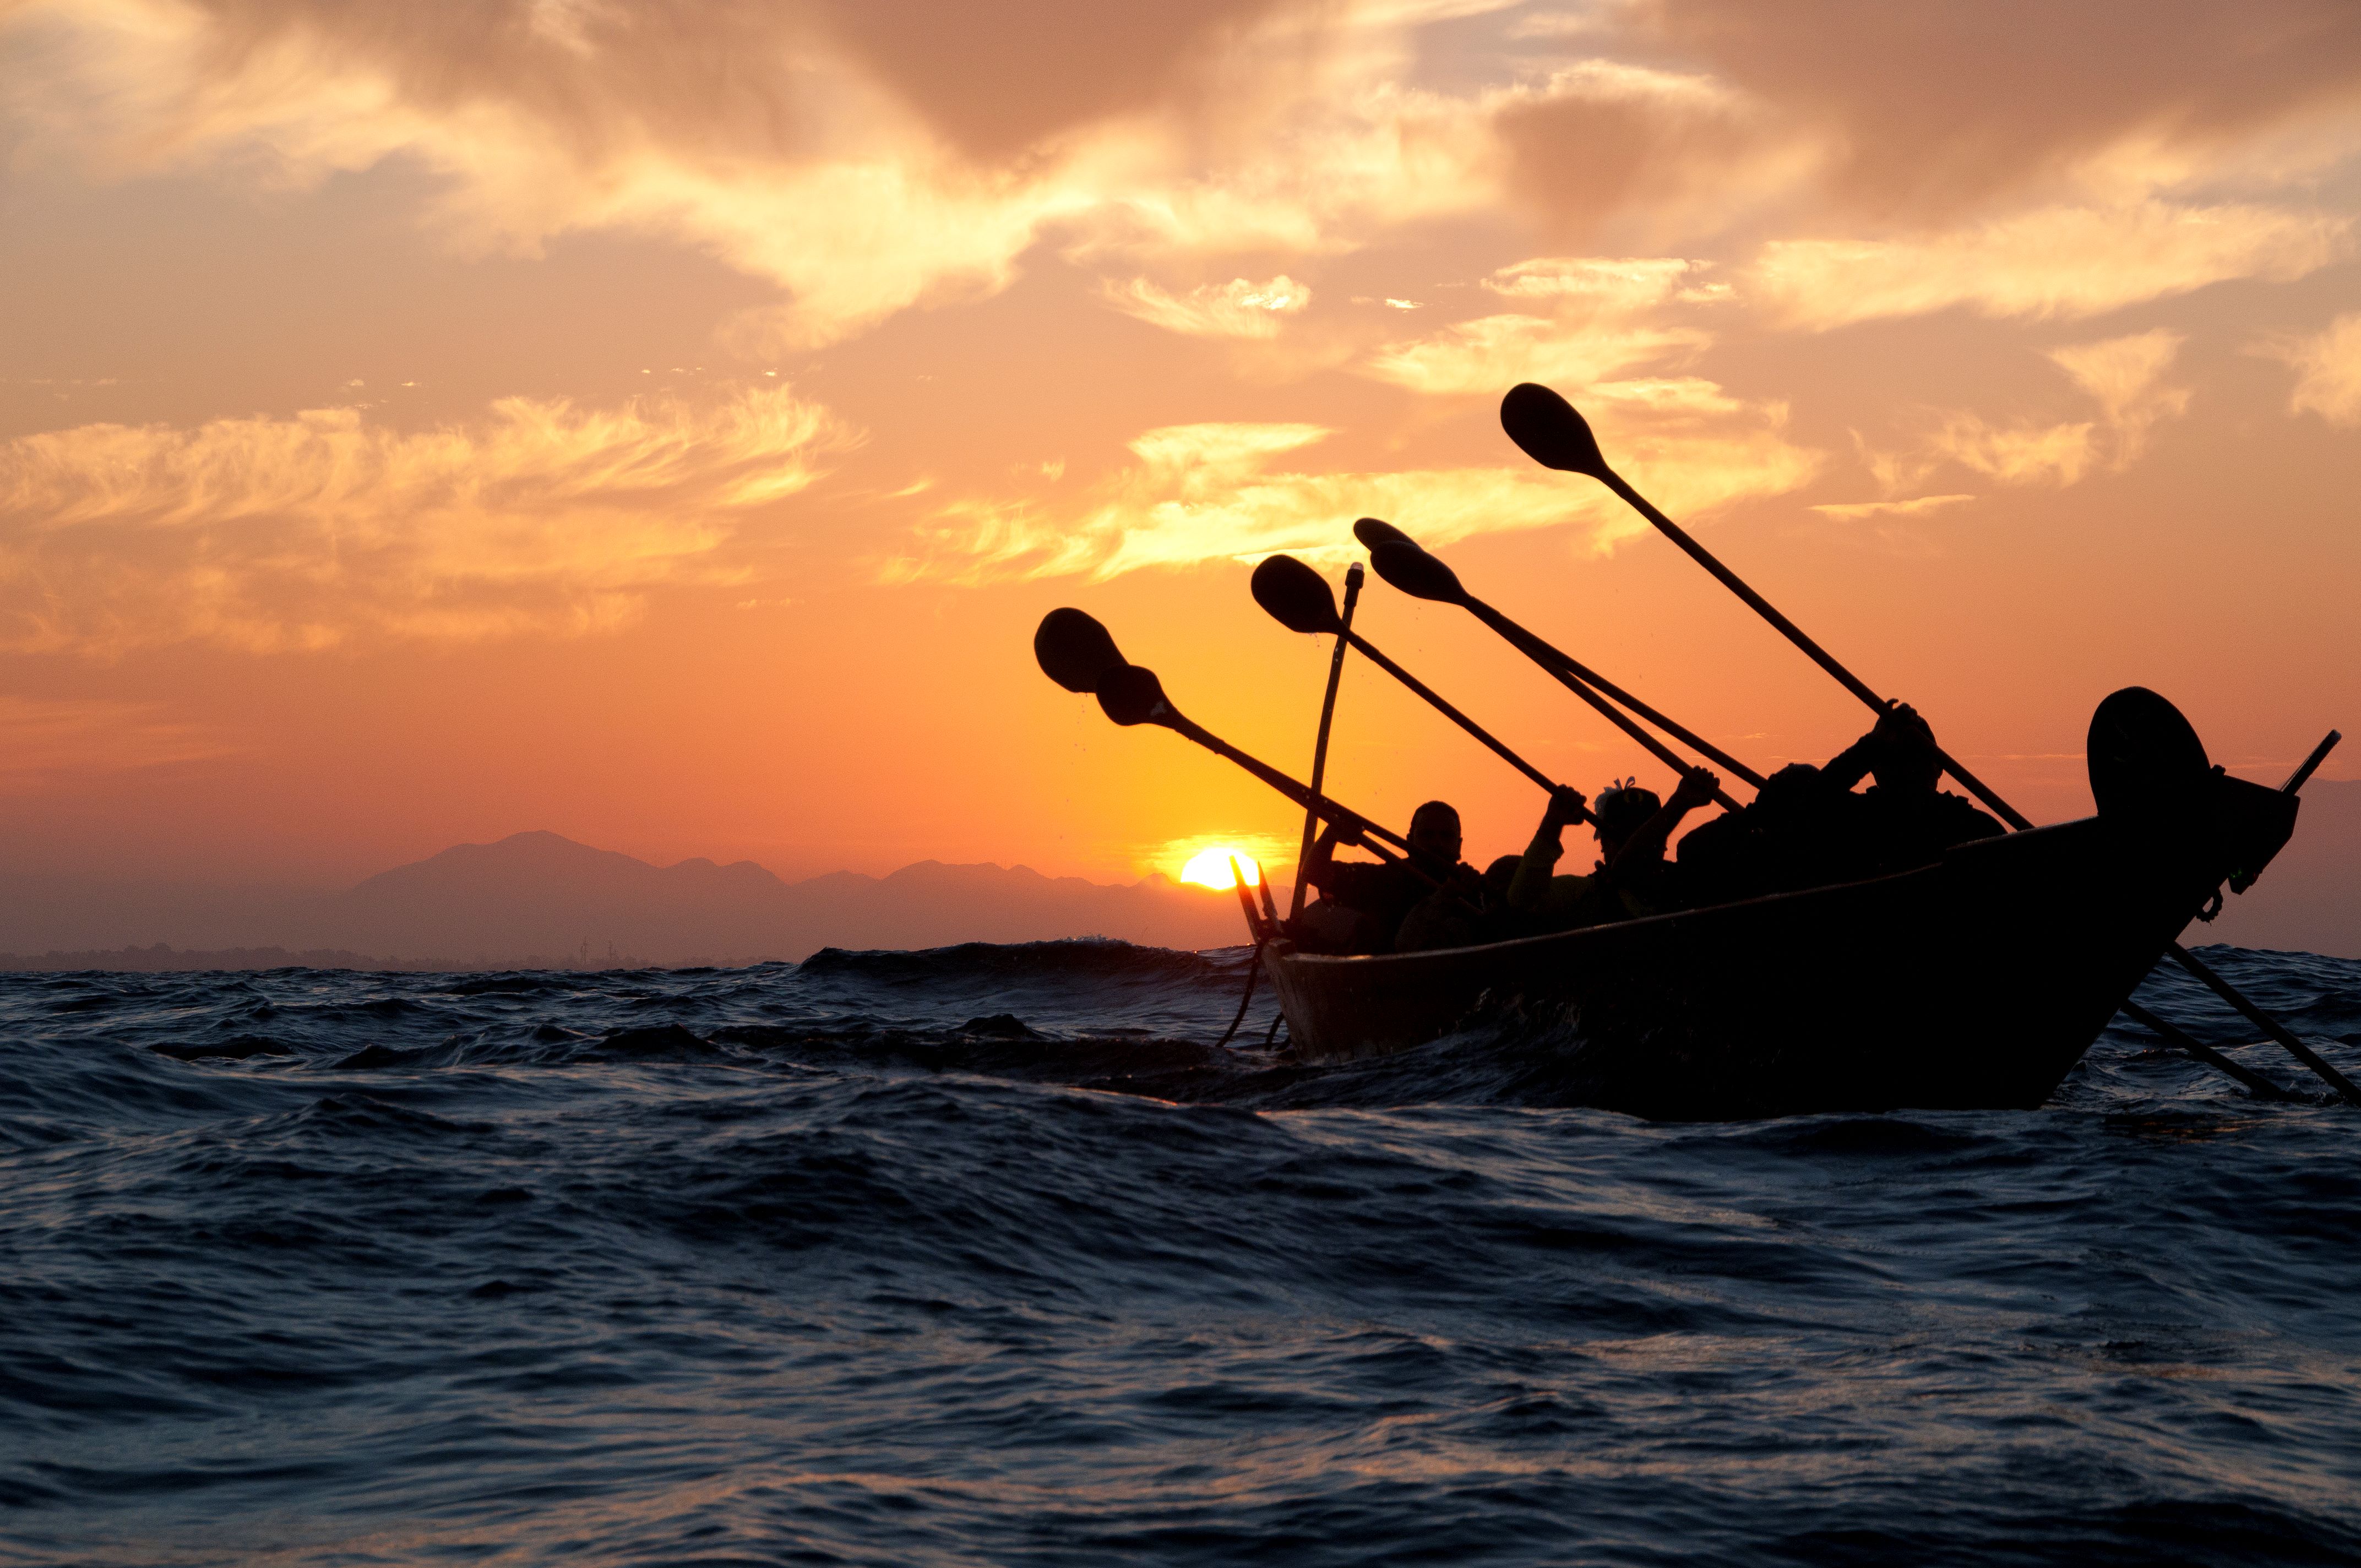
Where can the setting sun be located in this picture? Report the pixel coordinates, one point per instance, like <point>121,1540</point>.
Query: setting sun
<point>1210,867</point>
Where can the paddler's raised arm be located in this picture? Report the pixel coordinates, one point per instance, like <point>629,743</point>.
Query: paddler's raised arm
<point>1319,867</point>
<point>1533,887</point>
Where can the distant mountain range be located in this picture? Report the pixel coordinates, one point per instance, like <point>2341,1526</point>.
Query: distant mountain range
<point>540,899</point>
<point>536,899</point>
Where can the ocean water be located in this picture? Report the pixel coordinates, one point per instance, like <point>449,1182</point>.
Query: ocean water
<point>989,1255</point>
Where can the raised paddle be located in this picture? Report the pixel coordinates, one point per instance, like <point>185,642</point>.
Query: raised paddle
<point>1319,746</point>
<point>1298,598</point>
<point>1068,645</point>
<point>1553,434</point>
<point>1411,568</point>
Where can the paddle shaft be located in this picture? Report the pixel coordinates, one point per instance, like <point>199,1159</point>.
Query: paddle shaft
<point>2302,775</point>
<point>2266,1023</point>
<point>1320,747</point>
<point>1370,652</point>
<point>1551,659</point>
<point>1795,634</point>
<point>1546,654</point>
<point>1353,822</point>
<point>1327,810</point>
<point>2255,1081</point>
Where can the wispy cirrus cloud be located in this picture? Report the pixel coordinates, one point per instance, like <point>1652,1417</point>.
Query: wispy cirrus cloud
<point>1918,506</point>
<point>1240,308</point>
<point>270,534</point>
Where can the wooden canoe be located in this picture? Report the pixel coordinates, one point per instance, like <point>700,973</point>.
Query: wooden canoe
<point>1973,984</point>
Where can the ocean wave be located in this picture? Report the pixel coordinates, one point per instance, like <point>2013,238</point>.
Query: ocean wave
<point>992,1255</point>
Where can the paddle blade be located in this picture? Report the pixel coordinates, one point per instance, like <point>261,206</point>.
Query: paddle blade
<point>1415,572</point>
<point>1074,650</point>
<point>1130,694</point>
<point>1297,597</point>
<point>1549,429</point>
<point>1372,532</point>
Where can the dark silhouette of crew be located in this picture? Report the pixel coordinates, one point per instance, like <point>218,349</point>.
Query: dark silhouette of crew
<point>1808,828</point>
<point>1631,878</point>
<point>1365,906</point>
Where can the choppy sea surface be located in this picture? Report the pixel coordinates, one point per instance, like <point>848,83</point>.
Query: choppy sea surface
<point>989,1255</point>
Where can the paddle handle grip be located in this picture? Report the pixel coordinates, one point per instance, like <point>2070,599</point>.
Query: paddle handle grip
<point>1795,634</point>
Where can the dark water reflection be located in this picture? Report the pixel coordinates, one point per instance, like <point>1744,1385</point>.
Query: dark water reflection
<point>789,1265</point>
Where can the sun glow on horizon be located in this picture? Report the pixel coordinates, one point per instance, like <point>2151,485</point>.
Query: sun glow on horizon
<point>1210,867</point>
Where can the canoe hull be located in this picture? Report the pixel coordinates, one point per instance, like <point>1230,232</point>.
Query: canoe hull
<point>1977,982</point>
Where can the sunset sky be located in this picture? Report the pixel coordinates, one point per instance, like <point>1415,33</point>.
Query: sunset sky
<point>665,423</point>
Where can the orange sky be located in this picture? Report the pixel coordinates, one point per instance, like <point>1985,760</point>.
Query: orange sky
<point>665,425</point>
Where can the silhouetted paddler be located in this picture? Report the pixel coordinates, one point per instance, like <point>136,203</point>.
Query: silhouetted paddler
<point>1631,878</point>
<point>1806,827</point>
<point>1367,905</point>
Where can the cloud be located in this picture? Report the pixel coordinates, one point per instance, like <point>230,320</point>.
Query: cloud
<point>2057,454</point>
<point>862,166</point>
<point>1209,492</point>
<point>2127,375</point>
<point>2328,370</point>
<point>1002,77</point>
<point>1593,333</point>
<point>1933,110</point>
<point>1619,285</point>
<point>2059,261</point>
<point>1918,507</point>
<point>2123,375</point>
<point>40,738</point>
<point>870,157</point>
<point>1236,309</point>
<point>270,534</point>
<point>1604,137</point>
<point>1486,356</point>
